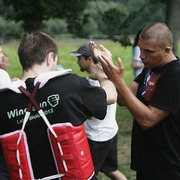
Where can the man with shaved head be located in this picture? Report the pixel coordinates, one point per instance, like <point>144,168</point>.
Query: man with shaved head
<point>153,99</point>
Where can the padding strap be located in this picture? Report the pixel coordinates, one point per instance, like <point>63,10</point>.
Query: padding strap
<point>41,113</point>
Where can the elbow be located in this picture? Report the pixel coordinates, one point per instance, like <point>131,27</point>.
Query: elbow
<point>112,98</point>
<point>146,125</point>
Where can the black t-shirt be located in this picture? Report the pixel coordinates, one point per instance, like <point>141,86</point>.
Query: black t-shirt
<point>157,150</point>
<point>68,98</point>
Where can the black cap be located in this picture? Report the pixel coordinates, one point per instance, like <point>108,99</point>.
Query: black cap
<point>82,51</point>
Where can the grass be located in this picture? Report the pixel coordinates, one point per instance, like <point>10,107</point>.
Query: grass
<point>124,118</point>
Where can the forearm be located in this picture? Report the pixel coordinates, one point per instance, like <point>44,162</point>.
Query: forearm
<point>133,88</point>
<point>142,113</point>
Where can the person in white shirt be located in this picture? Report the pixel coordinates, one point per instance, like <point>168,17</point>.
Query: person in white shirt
<point>137,64</point>
<point>102,134</point>
<point>4,60</point>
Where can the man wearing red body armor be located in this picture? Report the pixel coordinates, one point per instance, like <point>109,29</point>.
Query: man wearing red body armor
<point>41,129</point>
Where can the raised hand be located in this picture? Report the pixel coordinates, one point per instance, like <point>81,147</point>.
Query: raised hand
<point>102,51</point>
<point>113,72</point>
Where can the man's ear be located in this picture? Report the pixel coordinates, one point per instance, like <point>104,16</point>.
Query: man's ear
<point>49,58</point>
<point>167,49</point>
<point>90,59</point>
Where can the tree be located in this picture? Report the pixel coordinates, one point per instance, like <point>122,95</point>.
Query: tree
<point>33,12</point>
<point>172,18</point>
<point>70,10</point>
<point>119,21</point>
<point>30,12</point>
<point>116,19</point>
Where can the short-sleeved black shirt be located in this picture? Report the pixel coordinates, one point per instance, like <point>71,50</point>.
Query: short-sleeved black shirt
<point>68,98</point>
<point>157,150</point>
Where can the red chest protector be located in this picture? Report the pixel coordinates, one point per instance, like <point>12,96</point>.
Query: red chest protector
<point>68,143</point>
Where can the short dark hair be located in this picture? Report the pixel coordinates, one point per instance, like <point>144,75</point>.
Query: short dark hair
<point>34,47</point>
<point>160,31</point>
<point>94,59</point>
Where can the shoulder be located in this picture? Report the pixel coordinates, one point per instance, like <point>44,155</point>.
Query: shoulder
<point>73,78</point>
<point>173,66</point>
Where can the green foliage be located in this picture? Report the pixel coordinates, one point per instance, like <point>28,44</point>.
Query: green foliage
<point>90,28</point>
<point>71,11</point>
<point>112,19</point>
<point>55,26</point>
<point>117,20</point>
<point>157,1</point>
<point>146,16</point>
<point>31,13</point>
<point>10,29</point>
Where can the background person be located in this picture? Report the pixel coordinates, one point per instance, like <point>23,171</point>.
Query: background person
<point>102,135</point>
<point>66,98</point>
<point>137,64</point>
<point>4,61</point>
<point>153,100</point>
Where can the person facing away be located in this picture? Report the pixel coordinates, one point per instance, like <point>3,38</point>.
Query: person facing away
<point>153,100</point>
<point>4,61</point>
<point>137,64</point>
<point>102,135</point>
<point>64,98</point>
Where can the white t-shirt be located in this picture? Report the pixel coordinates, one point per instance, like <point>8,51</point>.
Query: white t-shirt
<point>136,53</point>
<point>102,130</point>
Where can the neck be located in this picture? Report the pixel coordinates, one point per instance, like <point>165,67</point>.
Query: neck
<point>168,59</point>
<point>172,58</point>
<point>34,71</point>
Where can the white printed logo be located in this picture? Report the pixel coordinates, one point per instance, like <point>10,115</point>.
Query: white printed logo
<point>53,100</point>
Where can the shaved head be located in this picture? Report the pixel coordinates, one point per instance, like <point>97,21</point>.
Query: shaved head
<point>159,31</point>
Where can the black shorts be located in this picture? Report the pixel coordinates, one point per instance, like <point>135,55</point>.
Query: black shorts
<point>104,155</point>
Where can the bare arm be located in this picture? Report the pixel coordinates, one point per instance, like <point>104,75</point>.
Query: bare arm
<point>133,88</point>
<point>97,73</point>
<point>146,116</point>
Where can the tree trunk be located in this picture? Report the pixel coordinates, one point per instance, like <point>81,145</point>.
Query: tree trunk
<point>173,21</point>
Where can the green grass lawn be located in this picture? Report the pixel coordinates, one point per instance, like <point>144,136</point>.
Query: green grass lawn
<point>123,116</point>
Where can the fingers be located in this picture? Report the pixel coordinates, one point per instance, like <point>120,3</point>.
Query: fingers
<point>94,50</point>
<point>120,64</point>
<point>103,54</point>
<point>92,45</point>
<point>102,60</point>
<point>108,61</point>
<point>101,47</point>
